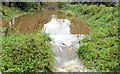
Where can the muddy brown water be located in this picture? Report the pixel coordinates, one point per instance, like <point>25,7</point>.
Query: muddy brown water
<point>31,22</point>
<point>65,31</point>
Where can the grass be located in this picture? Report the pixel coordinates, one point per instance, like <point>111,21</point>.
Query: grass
<point>24,52</point>
<point>27,52</point>
<point>100,48</point>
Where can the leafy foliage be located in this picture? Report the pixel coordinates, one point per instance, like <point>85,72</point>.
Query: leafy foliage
<point>100,48</point>
<point>29,52</point>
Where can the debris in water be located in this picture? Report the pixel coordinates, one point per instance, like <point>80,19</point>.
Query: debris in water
<point>59,47</point>
<point>63,44</point>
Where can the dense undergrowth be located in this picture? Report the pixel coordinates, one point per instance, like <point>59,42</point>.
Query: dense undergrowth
<point>100,48</point>
<point>27,52</point>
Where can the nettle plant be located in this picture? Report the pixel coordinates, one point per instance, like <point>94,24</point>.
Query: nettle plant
<point>27,52</point>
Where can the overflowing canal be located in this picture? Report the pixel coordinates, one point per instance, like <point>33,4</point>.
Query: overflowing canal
<point>64,45</point>
<point>66,33</point>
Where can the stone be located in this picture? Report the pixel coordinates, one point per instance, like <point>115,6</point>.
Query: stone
<point>60,70</point>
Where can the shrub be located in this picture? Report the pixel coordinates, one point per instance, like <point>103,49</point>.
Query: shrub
<point>100,48</point>
<point>29,52</point>
<point>100,54</point>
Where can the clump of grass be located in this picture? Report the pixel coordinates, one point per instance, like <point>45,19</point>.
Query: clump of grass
<point>27,52</point>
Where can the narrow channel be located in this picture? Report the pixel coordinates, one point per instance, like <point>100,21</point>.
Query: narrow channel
<point>65,45</point>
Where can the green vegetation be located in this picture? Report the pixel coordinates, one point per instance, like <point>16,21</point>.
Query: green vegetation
<point>16,9</point>
<point>24,52</point>
<point>32,52</point>
<point>100,48</point>
<point>27,52</point>
<point>26,6</point>
<point>11,12</point>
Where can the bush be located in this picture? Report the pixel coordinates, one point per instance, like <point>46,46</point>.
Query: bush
<point>100,54</point>
<point>100,48</point>
<point>29,52</point>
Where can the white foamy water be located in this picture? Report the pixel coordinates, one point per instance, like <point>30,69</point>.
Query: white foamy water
<point>64,45</point>
<point>11,23</point>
